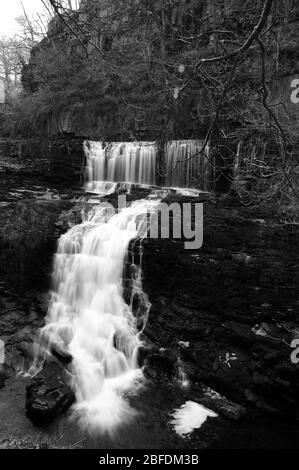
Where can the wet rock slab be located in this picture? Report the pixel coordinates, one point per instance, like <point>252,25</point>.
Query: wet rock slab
<point>49,393</point>
<point>232,304</point>
<point>222,405</point>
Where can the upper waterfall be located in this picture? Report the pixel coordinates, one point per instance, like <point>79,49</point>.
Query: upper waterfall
<point>120,162</point>
<point>180,164</point>
<point>186,167</point>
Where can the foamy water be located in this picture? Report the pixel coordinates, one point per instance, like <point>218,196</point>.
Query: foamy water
<point>130,162</point>
<point>189,417</point>
<point>182,164</point>
<point>88,317</point>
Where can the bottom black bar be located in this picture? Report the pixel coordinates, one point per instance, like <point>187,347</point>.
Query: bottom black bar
<point>131,459</point>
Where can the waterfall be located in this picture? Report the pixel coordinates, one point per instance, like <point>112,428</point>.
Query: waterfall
<point>185,166</point>
<point>96,169</point>
<point>137,163</point>
<point>88,317</point>
<point>120,162</point>
<point>132,163</point>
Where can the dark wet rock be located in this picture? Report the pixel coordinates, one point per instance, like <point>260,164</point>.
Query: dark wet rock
<point>241,258</point>
<point>144,352</point>
<point>63,356</point>
<point>27,349</point>
<point>19,321</point>
<point>3,377</point>
<point>27,239</point>
<point>49,393</point>
<point>231,410</point>
<point>150,373</point>
<point>29,230</point>
<point>58,159</point>
<point>233,302</point>
<point>222,405</point>
<point>164,361</point>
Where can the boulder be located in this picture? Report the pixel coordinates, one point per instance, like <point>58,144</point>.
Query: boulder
<point>61,355</point>
<point>222,405</point>
<point>49,393</point>
<point>163,361</point>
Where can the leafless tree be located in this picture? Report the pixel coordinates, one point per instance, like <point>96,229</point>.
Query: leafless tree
<point>225,58</point>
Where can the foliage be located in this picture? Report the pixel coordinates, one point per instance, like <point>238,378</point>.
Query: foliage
<point>137,69</point>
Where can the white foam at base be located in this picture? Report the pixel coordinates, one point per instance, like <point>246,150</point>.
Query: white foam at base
<point>90,320</point>
<point>190,416</point>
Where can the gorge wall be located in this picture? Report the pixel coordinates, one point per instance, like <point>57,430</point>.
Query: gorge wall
<point>227,310</point>
<point>118,77</point>
<point>50,160</point>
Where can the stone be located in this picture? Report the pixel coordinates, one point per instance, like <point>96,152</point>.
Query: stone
<point>49,393</point>
<point>232,411</point>
<point>223,406</point>
<point>27,349</point>
<point>164,361</point>
<point>217,303</point>
<point>143,353</point>
<point>150,373</point>
<point>3,377</point>
<point>63,356</point>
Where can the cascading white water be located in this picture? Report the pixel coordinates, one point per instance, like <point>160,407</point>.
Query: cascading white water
<point>132,162</point>
<point>185,167</point>
<point>120,162</point>
<point>96,164</point>
<point>137,163</point>
<point>88,317</point>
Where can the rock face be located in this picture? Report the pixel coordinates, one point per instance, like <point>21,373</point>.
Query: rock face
<point>229,309</point>
<point>49,394</point>
<point>95,101</point>
<point>57,160</point>
<point>28,235</point>
<point>29,229</point>
<point>222,405</point>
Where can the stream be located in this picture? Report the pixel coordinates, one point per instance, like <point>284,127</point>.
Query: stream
<point>119,403</point>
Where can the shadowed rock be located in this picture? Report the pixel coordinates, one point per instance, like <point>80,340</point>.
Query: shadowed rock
<point>63,356</point>
<point>162,361</point>
<point>49,394</point>
<point>222,405</point>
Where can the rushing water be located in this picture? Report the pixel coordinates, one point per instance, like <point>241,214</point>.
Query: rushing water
<point>120,162</point>
<point>185,166</point>
<point>182,165</point>
<point>88,317</point>
<point>190,416</point>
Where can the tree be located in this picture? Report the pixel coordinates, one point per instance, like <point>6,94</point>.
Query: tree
<point>165,63</point>
<point>11,56</point>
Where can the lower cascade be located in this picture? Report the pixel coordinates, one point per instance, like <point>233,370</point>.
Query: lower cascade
<point>88,317</point>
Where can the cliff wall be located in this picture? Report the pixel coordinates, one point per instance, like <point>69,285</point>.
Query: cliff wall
<point>117,77</point>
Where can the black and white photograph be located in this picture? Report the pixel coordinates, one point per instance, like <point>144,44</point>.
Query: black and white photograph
<point>149,230</point>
